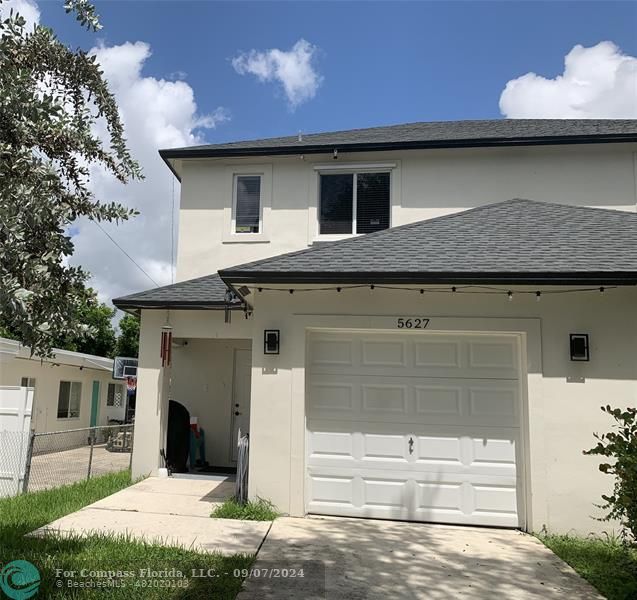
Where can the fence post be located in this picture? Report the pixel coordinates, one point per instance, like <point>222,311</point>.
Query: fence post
<point>91,438</point>
<point>27,467</point>
<point>132,445</point>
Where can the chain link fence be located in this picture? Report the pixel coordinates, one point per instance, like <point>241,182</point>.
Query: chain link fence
<point>63,457</point>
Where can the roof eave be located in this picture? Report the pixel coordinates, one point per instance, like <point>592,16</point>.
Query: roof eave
<point>424,278</point>
<point>127,305</point>
<point>181,153</point>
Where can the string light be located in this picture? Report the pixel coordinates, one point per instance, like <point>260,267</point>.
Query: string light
<point>466,289</point>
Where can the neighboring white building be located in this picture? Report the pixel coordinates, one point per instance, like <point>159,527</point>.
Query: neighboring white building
<point>71,390</point>
<point>404,372</point>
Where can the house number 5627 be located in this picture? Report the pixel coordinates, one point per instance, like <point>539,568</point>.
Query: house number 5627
<point>411,323</point>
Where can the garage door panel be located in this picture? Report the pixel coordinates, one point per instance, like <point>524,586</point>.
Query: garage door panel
<point>419,427</point>
<point>414,400</point>
<point>384,353</point>
<point>415,354</point>
<point>436,497</point>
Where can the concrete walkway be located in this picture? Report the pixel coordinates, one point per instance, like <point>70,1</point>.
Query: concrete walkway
<point>173,512</point>
<point>354,559</point>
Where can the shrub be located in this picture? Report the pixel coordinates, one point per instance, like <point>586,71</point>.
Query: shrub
<point>620,445</point>
<point>253,510</point>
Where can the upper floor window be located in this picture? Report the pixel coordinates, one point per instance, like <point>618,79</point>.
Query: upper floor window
<point>69,398</point>
<point>354,203</point>
<point>247,204</point>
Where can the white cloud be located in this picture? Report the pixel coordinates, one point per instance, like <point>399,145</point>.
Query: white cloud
<point>598,82</point>
<point>157,114</point>
<point>293,69</point>
<point>26,8</point>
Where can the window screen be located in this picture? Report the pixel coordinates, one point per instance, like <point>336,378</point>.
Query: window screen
<point>372,202</point>
<point>115,394</point>
<point>248,204</point>
<point>336,203</point>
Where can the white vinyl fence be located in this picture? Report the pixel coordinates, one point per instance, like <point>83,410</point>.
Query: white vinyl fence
<point>16,404</point>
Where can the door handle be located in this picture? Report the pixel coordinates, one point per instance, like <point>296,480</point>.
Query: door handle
<point>411,445</point>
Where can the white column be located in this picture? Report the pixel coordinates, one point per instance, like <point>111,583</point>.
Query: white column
<point>151,410</point>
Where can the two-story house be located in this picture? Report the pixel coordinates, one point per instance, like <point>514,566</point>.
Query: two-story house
<point>413,322</point>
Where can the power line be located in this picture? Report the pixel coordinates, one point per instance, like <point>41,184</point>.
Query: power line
<point>125,253</point>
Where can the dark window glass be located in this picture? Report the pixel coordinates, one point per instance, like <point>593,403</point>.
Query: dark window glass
<point>63,399</point>
<point>372,202</point>
<point>248,209</point>
<point>336,204</point>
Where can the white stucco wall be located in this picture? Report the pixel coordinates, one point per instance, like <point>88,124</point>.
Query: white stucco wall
<point>425,184</point>
<point>47,387</point>
<point>563,402</point>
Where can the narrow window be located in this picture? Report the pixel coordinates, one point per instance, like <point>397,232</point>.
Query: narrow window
<point>247,203</point>
<point>69,398</point>
<point>336,204</point>
<point>27,382</point>
<point>115,394</point>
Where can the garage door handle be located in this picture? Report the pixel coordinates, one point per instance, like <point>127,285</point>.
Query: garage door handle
<point>411,445</point>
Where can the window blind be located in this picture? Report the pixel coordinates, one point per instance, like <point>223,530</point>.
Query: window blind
<point>248,204</point>
<point>372,202</point>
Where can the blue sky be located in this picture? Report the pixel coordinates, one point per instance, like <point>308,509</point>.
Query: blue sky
<point>381,62</point>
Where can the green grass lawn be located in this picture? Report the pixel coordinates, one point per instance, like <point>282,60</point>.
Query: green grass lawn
<point>252,510</point>
<point>25,513</point>
<point>607,564</point>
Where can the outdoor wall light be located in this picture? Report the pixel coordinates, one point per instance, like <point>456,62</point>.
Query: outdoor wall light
<point>579,347</point>
<point>271,339</point>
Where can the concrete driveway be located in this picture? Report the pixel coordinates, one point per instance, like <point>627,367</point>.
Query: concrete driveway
<point>355,559</point>
<point>172,512</point>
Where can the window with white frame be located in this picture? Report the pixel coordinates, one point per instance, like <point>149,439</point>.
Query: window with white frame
<point>27,382</point>
<point>354,202</point>
<point>247,204</point>
<point>115,394</point>
<point>69,398</point>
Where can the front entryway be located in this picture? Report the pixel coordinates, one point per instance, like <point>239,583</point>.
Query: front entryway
<point>415,426</point>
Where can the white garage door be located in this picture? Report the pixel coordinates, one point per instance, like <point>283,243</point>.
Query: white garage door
<point>417,426</point>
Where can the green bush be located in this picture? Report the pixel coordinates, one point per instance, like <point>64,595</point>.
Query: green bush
<point>253,510</point>
<point>621,446</point>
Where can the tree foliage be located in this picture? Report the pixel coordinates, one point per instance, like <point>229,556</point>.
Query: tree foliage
<point>98,338</point>
<point>620,446</point>
<point>128,340</point>
<point>52,100</point>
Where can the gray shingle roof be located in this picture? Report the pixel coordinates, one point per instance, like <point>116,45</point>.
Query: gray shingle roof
<point>514,241</point>
<point>203,292</point>
<point>428,134</point>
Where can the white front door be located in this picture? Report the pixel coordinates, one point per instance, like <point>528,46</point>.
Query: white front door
<point>418,426</point>
<point>240,397</point>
